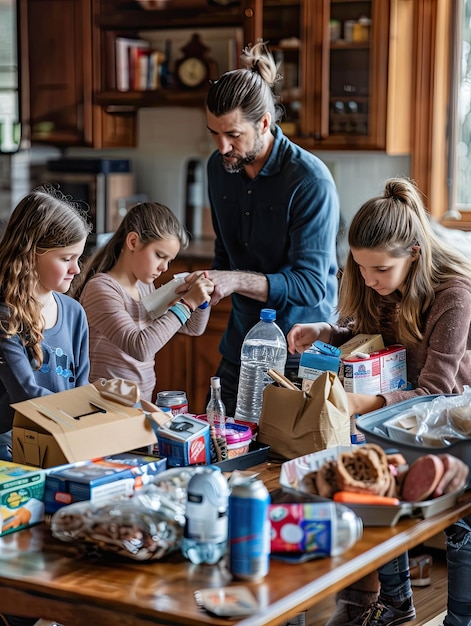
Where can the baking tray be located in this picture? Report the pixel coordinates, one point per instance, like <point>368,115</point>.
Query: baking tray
<point>292,473</point>
<point>372,425</point>
<point>258,453</point>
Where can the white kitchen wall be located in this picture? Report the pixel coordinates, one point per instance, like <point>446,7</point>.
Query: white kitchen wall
<point>168,137</point>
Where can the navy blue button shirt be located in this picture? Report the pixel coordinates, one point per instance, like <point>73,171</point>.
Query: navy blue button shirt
<point>283,224</point>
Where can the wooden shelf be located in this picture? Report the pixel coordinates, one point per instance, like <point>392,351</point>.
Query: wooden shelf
<point>151,98</point>
<point>190,18</point>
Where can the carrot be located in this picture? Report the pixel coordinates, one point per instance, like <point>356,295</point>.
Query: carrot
<point>353,497</point>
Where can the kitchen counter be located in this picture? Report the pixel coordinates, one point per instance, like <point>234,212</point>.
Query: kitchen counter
<point>199,248</point>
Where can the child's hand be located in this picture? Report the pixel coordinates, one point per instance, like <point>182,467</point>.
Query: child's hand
<point>302,336</point>
<point>198,289</point>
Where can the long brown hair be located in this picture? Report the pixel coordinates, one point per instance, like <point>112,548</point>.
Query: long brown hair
<point>150,220</point>
<point>44,220</point>
<point>397,222</point>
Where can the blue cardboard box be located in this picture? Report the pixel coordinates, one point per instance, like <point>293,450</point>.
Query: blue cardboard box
<point>319,358</point>
<point>99,479</point>
<point>184,440</point>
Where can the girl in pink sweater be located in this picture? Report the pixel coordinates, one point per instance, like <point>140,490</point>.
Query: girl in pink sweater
<point>124,337</point>
<point>403,282</point>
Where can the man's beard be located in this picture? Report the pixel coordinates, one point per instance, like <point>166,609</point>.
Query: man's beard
<point>238,166</point>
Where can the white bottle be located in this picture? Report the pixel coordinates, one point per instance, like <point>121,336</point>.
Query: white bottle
<point>264,348</point>
<point>206,522</point>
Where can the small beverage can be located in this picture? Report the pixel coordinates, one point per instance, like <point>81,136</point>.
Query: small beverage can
<point>176,401</point>
<point>249,530</point>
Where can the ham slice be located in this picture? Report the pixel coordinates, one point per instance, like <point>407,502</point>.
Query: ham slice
<point>422,478</point>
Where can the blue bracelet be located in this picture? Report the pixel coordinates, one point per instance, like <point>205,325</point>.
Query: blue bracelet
<point>181,311</point>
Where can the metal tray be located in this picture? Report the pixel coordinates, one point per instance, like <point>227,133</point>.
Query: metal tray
<point>372,425</point>
<point>258,453</point>
<point>292,473</point>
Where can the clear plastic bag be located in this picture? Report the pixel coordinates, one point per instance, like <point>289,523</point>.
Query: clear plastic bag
<point>444,420</point>
<point>146,526</point>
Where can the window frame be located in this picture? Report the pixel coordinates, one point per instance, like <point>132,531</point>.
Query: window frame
<point>433,134</point>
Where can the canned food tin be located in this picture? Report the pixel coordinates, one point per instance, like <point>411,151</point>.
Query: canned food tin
<point>176,401</point>
<point>249,531</point>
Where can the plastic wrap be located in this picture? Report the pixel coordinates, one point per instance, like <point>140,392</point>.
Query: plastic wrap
<point>146,526</point>
<point>445,420</point>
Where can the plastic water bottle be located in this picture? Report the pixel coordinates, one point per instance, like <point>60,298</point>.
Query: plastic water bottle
<point>206,517</point>
<point>264,348</point>
<point>313,528</point>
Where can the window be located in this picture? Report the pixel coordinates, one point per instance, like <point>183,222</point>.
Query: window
<point>9,115</point>
<point>461,163</point>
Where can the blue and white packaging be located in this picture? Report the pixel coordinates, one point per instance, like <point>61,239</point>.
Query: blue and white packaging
<point>319,358</point>
<point>116,475</point>
<point>184,440</point>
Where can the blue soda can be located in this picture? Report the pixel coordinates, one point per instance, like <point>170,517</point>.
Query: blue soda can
<point>249,530</point>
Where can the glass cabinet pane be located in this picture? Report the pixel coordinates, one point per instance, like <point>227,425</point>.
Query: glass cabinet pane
<point>281,29</point>
<point>350,63</point>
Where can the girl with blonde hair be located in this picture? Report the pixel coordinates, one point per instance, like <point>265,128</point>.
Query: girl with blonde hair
<point>403,282</point>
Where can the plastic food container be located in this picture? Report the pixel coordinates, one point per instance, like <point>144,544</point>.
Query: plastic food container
<point>293,471</point>
<point>238,439</point>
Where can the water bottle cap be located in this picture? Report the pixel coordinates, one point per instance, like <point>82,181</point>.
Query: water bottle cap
<point>268,315</point>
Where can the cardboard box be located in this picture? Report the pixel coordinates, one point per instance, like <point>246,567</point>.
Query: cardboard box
<point>67,427</point>
<point>307,527</point>
<point>379,372</point>
<point>98,480</point>
<point>184,440</point>
<point>21,496</point>
<point>319,358</point>
<point>361,343</point>
<point>312,367</point>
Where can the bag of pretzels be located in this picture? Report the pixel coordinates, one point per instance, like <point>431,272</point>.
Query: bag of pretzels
<point>294,422</point>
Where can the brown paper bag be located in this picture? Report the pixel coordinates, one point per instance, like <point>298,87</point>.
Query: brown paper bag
<point>294,423</point>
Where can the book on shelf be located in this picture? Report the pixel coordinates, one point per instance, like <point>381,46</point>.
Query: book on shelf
<point>127,55</point>
<point>138,66</point>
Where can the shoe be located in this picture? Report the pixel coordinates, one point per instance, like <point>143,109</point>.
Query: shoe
<point>378,614</point>
<point>349,605</point>
<point>420,568</point>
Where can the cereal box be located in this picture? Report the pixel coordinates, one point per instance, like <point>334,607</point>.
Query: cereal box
<point>99,479</point>
<point>21,496</point>
<point>378,372</point>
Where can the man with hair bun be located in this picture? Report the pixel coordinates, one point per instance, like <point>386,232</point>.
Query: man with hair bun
<point>275,213</point>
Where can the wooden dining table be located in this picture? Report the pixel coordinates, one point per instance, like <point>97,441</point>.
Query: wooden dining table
<point>41,576</point>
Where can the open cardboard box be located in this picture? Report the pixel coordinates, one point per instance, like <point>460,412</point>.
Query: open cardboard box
<point>76,425</point>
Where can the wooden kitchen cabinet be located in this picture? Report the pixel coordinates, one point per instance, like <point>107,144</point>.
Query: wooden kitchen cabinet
<point>187,363</point>
<point>345,64</point>
<point>346,67</point>
<point>59,72</point>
